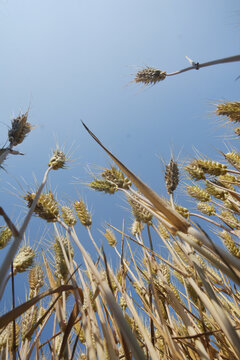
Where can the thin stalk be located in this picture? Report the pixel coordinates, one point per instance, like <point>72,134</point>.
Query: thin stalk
<point>197,66</point>
<point>14,322</point>
<point>171,201</point>
<point>149,288</point>
<point>210,220</point>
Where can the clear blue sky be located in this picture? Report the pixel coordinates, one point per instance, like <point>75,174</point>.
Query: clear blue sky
<point>73,60</point>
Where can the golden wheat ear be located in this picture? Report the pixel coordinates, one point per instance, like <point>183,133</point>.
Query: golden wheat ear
<point>171,215</point>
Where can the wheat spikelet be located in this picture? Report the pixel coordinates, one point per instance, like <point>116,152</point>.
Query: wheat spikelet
<point>20,128</point>
<point>211,167</point>
<point>5,236</point>
<point>139,212</point>
<point>6,337</point>
<point>82,213</point>
<point>198,193</point>
<point>24,259</point>
<point>228,181</point>
<point>68,216</point>
<point>232,203</point>
<point>163,231</point>
<point>230,243</point>
<point>103,185</point>
<point>28,319</point>
<point>195,172</point>
<point>109,235</point>
<point>237,131</point>
<point>61,269</point>
<point>230,219</point>
<point>35,280</point>
<point>136,228</point>
<point>149,76</point>
<point>80,332</point>
<point>215,191</point>
<point>233,158</point>
<point>58,160</point>
<point>58,343</point>
<point>171,176</point>
<point>182,211</point>
<point>123,303</point>
<point>206,209</point>
<point>115,176</point>
<point>47,206</point>
<point>231,109</point>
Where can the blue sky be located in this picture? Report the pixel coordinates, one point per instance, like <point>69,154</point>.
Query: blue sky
<point>74,60</point>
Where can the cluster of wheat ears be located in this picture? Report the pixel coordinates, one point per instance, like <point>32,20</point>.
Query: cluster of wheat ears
<point>185,305</point>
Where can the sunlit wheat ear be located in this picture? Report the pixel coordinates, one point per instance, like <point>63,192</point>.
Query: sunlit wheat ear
<point>111,238</point>
<point>182,211</point>
<point>198,168</point>
<point>5,236</point>
<point>215,191</point>
<point>139,212</point>
<point>115,176</point>
<point>183,256</point>
<point>61,269</point>
<point>80,332</point>
<point>230,243</point>
<point>233,158</point>
<point>6,337</point>
<point>28,319</point>
<point>206,208</point>
<point>135,329</point>
<point>103,185</point>
<point>195,171</point>
<point>82,357</point>
<point>212,167</point>
<point>47,206</point>
<point>68,216</point>
<point>82,213</point>
<point>171,176</point>
<point>24,259</point>
<point>228,181</point>
<point>58,160</point>
<point>163,231</point>
<point>123,303</point>
<point>231,109</point>
<point>198,193</point>
<point>20,128</point>
<point>230,219</point>
<point>136,228</point>
<point>35,280</point>
<point>232,203</point>
<point>149,76</point>
<point>58,343</point>
<point>237,131</point>
<point>40,313</point>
